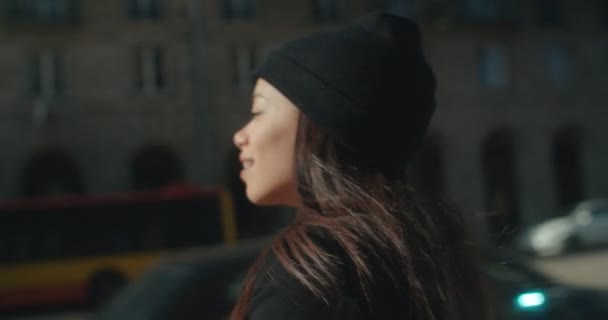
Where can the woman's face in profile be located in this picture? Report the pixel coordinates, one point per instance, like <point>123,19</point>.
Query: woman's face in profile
<point>267,145</point>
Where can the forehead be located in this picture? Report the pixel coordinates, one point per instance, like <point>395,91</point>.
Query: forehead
<point>266,94</point>
<point>264,90</point>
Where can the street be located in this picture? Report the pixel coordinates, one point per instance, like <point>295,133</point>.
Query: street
<point>587,269</point>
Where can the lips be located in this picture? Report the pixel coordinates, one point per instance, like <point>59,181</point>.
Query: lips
<point>246,162</point>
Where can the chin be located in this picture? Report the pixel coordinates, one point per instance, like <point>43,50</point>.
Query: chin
<point>262,201</point>
<point>271,198</point>
<point>258,198</point>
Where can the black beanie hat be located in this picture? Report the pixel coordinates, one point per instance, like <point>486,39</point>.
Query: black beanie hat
<point>368,84</point>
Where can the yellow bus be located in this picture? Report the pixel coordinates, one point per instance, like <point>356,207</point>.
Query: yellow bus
<point>80,249</point>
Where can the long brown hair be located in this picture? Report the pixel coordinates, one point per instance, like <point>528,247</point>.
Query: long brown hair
<point>372,213</point>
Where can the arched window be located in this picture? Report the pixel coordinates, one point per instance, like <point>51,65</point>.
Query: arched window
<point>51,171</point>
<point>500,182</point>
<point>567,168</point>
<point>156,166</point>
<point>426,171</point>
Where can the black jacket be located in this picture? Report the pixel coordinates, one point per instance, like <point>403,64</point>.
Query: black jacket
<point>278,295</point>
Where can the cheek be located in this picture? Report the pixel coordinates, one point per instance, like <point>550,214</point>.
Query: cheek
<point>276,146</point>
<point>277,162</point>
<point>273,179</point>
<point>273,183</point>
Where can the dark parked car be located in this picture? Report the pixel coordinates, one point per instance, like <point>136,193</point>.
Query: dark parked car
<point>520,292</point>
<point>202,284</point>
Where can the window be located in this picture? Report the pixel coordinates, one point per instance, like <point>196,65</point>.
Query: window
<point>52,171</point>
<point>326,10</point>
<point>148,9</point>
<point>492,67</point>
<point>558,63</point>
<point>238,9</point>
<point>485,9</point>
<point>150,73</point>
<point>549,12</point>
<point>46,74</point>
<point>493,11</point>
<point>52,9</point>
<point>243,63</point>
<point>42,10</point>
<point>413,9</point>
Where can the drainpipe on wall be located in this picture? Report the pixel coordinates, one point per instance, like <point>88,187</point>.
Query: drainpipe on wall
<point>200,99</point>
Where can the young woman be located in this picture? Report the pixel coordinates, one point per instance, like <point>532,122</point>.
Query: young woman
<point>336,117</point>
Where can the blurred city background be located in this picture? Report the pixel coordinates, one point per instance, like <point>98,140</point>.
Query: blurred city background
<point>116,123</point>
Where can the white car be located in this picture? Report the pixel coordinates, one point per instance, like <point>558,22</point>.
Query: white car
<point>585,226</point>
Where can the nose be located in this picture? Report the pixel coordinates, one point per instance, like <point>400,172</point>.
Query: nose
<point>239,139</point>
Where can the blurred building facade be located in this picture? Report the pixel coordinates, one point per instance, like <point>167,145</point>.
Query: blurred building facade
<point>117,95</point>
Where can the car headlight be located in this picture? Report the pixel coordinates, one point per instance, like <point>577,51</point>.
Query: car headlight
<point>530,300</point>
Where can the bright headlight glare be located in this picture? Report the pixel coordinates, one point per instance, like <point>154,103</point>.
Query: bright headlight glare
<point>530,300</point>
